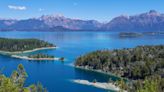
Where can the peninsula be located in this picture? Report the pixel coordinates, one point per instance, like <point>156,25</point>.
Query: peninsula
<point>141,65</point>
<point>18,46</point>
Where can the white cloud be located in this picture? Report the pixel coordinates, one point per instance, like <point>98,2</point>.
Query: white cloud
<point>40,9</point>
<point>13,7</point>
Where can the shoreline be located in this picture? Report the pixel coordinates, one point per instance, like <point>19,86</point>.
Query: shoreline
<point>26,51</point>
<point>39,59</point>
<point>103,85</point>
<point>98,71</point>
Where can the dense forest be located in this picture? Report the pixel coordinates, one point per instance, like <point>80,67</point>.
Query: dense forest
<point>133,63</point>
<point>13,45</point>
<point>40,55</point>
<point>16,82</point>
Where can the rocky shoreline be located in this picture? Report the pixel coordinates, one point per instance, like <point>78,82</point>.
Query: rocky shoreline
<point>39,59</point>
<point>27,51</point>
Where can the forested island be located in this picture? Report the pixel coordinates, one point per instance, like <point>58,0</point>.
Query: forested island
<point>143,64</point>
<point>14,46</point>
<point>16,82</point>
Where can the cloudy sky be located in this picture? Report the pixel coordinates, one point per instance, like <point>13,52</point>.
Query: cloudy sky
<point>101,10</point>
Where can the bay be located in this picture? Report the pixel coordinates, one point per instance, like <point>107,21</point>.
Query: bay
<point>56,76</point>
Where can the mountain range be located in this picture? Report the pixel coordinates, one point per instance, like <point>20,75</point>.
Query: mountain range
<point>149,21</point>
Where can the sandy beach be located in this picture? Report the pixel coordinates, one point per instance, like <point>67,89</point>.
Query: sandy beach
<point>107,86</point>
<point>27,51</point>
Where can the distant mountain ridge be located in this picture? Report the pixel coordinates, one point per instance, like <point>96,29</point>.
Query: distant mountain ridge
<point>48,22</point>
<point>149,21</point>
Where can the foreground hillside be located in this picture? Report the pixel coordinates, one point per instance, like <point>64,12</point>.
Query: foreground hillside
<point>145,63</point>
<point>16,82</point>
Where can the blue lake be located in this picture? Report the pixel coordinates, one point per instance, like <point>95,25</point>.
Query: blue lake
<point>56,76</point>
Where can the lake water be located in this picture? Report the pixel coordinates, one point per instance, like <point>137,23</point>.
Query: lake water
<point>56,76</point>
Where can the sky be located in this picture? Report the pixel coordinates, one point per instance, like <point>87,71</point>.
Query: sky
<point>101,10</point>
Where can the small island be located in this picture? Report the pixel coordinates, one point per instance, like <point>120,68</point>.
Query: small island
<point>129,34</point>
<point>143,66</point>
<point>154,33</point>
<point>17,46</point>
<point>141,34</point>
<point>38,57</point>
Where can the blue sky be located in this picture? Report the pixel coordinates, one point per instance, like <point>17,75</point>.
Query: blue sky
<point>102,10</point>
